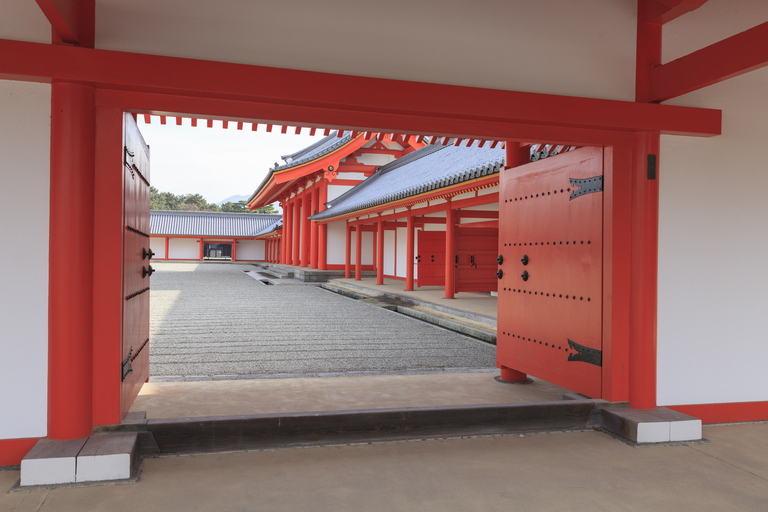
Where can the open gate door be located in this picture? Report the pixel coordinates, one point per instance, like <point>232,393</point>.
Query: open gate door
<point>550,292</point>
<point>136,264</point>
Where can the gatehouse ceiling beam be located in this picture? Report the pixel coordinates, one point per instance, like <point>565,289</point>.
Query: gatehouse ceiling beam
<point>663,11</point>
<point>73,21</point>
<point>715,63</point>
<point>338,100</point>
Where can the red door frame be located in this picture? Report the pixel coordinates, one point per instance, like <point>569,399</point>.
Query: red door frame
<point>625,158</point>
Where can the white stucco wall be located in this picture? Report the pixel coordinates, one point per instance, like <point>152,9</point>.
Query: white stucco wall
<point>713,241</point>
<point>402,251</point>
<point>250,250</point>
<point>389,253</point>
<point>183,249</point>
<point>23,21</point>
<point>335,191</point>
<point>336,243</point>
<point>157,245</point>
<point>25,110</point>
<point>593,43</point>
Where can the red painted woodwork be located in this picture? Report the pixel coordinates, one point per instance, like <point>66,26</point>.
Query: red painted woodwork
<point>167,243</point>
<point>476,249</point>
<point>306,228</point>
<point>648,54</point>
<point>135,331</point>
<point>409,250</point>
<point>322,99</point>
<point>644,278</point>
<point>431,258</point>
<point>510,375</point>
<point>380,251</point>
<point>234,250</point>
<point>348,250</point>
<point>664,11</point>
<point>313,238</point>
<point>450,251</point>
<point>298,206</point>
<point>70,291</point>
<point>720,61</point>
<point>561,299</point>
<point>13,450</point>
<point>72,21</point>
<point>322,229</point>
<point>725,413</point>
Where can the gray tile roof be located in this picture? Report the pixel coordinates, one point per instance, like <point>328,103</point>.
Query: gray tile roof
<point>317,150</point>
<point>175,222</point>
<point>275,226</point>
<point>426,169</point>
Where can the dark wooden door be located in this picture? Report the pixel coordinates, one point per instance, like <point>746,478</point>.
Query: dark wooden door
<point>550,294</point>
<point>136,264</point>
<point>476,259</point>
<point>431,258</point>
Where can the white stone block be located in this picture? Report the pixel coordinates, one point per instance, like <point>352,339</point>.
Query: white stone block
<point>653,432</point>
<point>687,430</point>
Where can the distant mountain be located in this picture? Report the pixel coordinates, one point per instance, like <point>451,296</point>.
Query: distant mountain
<point>233,199</point>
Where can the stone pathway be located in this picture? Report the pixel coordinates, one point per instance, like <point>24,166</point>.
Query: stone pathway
<point>211,320</point>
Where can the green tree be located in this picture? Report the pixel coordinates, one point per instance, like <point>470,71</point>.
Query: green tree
<point>270,208</point>
<point>238,207</point>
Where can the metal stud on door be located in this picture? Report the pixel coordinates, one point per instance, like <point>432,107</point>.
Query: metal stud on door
<point>550,291</point>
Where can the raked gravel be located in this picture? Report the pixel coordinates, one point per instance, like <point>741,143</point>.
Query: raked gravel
<point>211,320</point>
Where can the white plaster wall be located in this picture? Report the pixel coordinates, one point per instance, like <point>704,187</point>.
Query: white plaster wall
<point>157,245</point>
<point>183,249</point>
<point>25,110</point>
<point>23,21</point>
<point>336,243</point>
<point>389,253</point>
<point>713,241</point>
<point>250,250</point>
<point>402,251</point>
<point>592,42</point>
<point>375,159</point>
<point>367,247</point>
<point>335,191</point>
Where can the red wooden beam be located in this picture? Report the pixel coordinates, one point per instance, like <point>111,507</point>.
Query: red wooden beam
<point>663,11</point>
<point>720,61</point>
<point>386,105</point>
<point>72,21</point>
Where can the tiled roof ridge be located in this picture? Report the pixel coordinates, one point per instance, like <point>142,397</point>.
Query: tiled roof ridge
<point>206,212</point>
<point>304,151</point>
<point>403,160</point>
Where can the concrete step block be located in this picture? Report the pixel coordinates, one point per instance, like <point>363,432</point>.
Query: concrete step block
<point>108,457</point>
<point>51,462</point>
<point>658,425</point>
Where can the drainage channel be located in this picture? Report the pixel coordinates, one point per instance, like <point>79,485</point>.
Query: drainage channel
<point>423,312</point>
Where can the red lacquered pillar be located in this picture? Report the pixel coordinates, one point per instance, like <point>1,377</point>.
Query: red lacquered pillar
<point>70,295</point>
<point>380,251</point>
<point>450,251</point>
<point>348,252</point>
<point>359,251</point>
<point>409,250</point>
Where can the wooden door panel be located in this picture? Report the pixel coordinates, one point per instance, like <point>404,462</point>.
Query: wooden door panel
<point>134,362</point>
<point>476,249</point>
<point>431,258</point>
<point>551,321</point>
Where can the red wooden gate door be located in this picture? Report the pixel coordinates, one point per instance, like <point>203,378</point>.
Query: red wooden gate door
<point>476,259</point>
<point>136,264</point>
<point>550,292</point>
<point>431,258</point>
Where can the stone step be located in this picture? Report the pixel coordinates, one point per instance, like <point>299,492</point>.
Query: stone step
<point>660,425</point>
<point>100,457</point>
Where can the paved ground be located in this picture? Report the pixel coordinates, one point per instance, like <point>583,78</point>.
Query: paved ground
<point>574,471</point>
<point>213,320</point>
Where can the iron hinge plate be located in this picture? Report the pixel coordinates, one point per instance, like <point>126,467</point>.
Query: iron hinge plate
<point>585,354</point>
<point>126,367</point>
<point>585,186</point>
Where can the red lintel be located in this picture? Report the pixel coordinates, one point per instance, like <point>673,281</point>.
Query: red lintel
<point>715,63</point>
<point>384,104</point>
<point>72,21</point>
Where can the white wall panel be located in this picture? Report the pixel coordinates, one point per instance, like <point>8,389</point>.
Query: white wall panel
<point>335,191</point>
<point>402,251</point>
<point>389,253</point>
<point>157,244</point>
<point>250,250</point>
<point>336,243</point>
<point>593,43</point>
<point>25,110</point>
<point>367,247</point>
<point>183,249</point>
<point>23,21</point>
<point>713,241</point>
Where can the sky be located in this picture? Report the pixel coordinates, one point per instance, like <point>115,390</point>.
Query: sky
<point>215,162</point>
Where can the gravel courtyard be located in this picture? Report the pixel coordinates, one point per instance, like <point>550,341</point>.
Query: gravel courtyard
<point>211,320</point>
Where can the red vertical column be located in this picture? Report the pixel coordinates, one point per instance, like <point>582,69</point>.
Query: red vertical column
<point>515,155</point>
<point>166,248</point>
<point>359,251</point>
<point>70,295</point>
<point>322,229</point>
<point>450,251</point>
<point>409,250</point>
<point>644,271</point>
<point>297,213</point>
<point>380,251</point>
<point>234,249</point>
<point>202,247</point>
<point>306,229</point>
<point>348,251</point>
<point>314,228</point>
